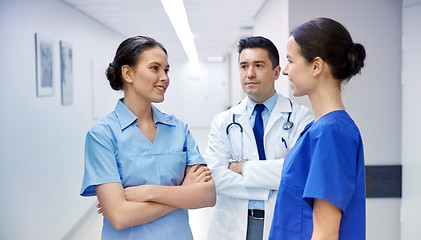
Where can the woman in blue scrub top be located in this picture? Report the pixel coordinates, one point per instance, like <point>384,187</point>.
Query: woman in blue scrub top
<point>142,164</point>
<point>322,189</point>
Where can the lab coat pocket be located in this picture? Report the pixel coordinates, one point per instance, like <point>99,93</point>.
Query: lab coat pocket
<point>284,145</point>
<point>292,208</point>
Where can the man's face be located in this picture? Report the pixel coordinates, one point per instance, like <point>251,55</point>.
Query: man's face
<point>257,74</point>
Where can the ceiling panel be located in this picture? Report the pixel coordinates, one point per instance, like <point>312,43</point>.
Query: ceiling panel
<point>216,24</point>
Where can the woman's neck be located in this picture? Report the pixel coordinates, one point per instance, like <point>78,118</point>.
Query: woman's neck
<point>326,99</point>
<point>141,108</point>
<point>143,111</point>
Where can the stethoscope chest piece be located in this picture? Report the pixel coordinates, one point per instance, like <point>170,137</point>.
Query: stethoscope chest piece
<point>288,125</point>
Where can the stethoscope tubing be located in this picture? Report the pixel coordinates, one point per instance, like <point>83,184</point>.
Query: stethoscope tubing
<point>234,123</point>
<point>286,126</point>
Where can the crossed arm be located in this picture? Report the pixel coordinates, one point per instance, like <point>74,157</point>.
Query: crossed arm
<point>197,190</point>
<point>142,204</point>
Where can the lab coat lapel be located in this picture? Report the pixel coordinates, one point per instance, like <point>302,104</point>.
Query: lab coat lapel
<point>244,120</point>
<point>282,106</point>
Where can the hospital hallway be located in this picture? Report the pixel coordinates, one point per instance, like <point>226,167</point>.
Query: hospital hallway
<point>43,125</point>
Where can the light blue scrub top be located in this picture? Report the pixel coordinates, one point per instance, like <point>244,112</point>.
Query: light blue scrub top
<point>327,162</point>
<point>117,151</point>
<point>269,106</point>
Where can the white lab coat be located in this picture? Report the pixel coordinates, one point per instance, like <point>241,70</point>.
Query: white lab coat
<point>229,220</point>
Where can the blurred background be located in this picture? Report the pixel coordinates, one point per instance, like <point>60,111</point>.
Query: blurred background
<point>71,42</point>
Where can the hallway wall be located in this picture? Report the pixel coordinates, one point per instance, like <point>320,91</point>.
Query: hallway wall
<point>41,141</point>
<point>411,114</point>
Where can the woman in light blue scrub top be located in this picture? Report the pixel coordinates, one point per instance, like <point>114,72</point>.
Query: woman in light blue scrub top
<point>142,164</point>
<point>322,189</point>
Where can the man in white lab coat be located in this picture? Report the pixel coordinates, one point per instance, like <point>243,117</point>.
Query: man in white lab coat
<point>246,157</point>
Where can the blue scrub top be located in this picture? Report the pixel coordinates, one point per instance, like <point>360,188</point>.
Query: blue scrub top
<point>117,151</point>
<point>327,162</point>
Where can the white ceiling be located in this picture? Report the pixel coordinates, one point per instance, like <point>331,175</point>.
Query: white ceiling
<point>216,24</point>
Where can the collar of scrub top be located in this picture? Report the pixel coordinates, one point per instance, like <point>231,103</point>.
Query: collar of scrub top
<point>282,106</point>
<point>127,118</point>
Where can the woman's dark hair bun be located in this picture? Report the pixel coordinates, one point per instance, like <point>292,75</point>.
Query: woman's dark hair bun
<point>331,41</point>
<point>128,53</point>
<point>114,80</point>
<point>356,57</point>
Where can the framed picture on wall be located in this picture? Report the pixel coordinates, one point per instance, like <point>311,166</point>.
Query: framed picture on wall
<point>44,65</point>
<point>66,76</point>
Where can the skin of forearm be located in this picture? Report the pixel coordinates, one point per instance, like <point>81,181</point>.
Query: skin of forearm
<point>191,196</point>
<point>236,167</point>
<point>133,213</point>
<point>122,213</point>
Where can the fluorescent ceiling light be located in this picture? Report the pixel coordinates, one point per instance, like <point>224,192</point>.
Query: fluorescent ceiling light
<point>178,17</point>
<point>215,59</point>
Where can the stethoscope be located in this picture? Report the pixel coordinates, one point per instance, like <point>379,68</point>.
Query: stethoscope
<point>288,124</point>
<point>239,156</point>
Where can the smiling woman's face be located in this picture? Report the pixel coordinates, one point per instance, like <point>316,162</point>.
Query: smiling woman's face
<point>298,70</point>
<point>149,77</point>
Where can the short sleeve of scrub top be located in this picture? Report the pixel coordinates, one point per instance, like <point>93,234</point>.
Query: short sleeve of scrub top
<point>100,159</point>
<point>332,171</point>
